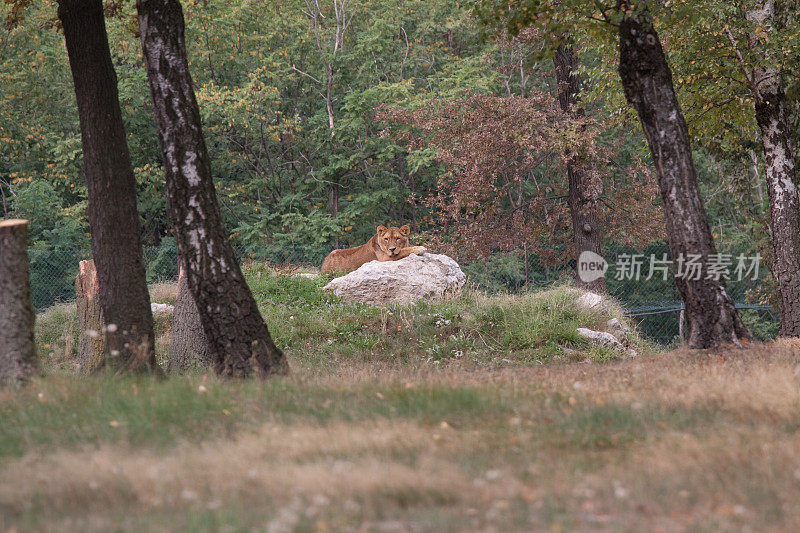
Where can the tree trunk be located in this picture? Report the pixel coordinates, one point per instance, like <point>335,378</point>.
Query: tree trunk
<point>773,121</point>
<point>91,326</point>
<point>236,331</point>
<point>710,313</point>
<point>334,207</point>
<point>17,347</point>
<point>114,220</point>
<point>783,203</point>
<point>188,347</point>
<point>583,194</point>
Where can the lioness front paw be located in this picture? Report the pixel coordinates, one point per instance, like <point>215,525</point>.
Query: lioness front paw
<point>419,250</point>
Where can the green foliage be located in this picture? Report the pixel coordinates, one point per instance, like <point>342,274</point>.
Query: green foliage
<point>56,237</point>
<point>162,261</point>
<point>286,178</point>
<point>762,330</point>
<point>291,187</point>
<point>51,226</point>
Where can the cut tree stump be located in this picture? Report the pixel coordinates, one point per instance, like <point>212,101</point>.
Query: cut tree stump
<point>91,342</point>
<point>17,347</point>
<point>189,347</point>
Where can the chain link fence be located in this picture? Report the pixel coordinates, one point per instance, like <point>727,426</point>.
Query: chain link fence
<point>651,298</point>
<point>653,302</point>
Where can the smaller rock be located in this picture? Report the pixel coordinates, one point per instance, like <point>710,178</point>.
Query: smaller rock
<point>157,308</point>
<point>309,275</point>
<point>619,330</point>
<point>601,338</point>
<point>591,301</point>
<point>605,340</point>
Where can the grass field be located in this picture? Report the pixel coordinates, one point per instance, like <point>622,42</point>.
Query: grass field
<point>466,415</point>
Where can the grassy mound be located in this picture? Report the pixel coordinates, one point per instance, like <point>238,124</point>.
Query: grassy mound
<point>318,330</point>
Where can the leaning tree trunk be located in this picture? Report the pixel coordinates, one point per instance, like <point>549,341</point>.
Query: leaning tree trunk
<point>236,331</point>
<point>776,139</point>
<point>17,348</point>
<point>91,326</point>
<point>113,218</point>
<point>710,313</point>
<point>783,200</point>
<point>188,347</point>
<point>583,191</point>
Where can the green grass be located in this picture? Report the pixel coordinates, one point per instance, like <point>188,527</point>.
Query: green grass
<point>316,327</point>
<point>56,334</point>
<point>59,412</point>
<point>65,412</point>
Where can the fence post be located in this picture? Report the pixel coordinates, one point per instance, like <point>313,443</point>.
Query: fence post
<point>681,318</point>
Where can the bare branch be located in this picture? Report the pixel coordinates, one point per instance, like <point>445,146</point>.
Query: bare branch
<point>306,74</point>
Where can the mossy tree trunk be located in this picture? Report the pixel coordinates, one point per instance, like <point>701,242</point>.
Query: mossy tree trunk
<point>17,347</point>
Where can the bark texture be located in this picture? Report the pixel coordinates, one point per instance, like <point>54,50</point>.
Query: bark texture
<point>236,331</point>
<point>17,348</point>
<point>114,220</point>
<point>710,313</point>
<point>584,192</point>
<point>188,347</point>
<point>91,326</point>
<point>773,121</point>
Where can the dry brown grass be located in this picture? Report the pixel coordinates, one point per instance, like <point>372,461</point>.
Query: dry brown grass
<point>760,381</point>
<point>271,466</point>
<point>681,441</point>
<point>164,292</point>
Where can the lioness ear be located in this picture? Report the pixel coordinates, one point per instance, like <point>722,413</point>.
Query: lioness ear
<point>381,229</point>
<point>405,230</point>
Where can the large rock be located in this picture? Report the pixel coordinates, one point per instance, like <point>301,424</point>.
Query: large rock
<point>417,277</point>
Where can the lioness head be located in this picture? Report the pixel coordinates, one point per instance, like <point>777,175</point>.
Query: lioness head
<point>392,240</point>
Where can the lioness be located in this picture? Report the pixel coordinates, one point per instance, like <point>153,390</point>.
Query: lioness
<point>386,245</point>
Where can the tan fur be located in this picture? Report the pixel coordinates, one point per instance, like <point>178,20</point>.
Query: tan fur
<point>386,245</point>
